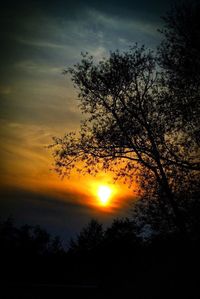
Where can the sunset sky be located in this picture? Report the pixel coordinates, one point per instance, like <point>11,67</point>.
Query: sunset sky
<point>40,39</point>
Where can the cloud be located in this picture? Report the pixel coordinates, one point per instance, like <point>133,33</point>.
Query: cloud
<point>64,218</point>
<point>43,45</point>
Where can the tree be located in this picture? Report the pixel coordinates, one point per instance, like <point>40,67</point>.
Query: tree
<point>88,240</point>
<point>56,247</point>
<point>179,57</point>
<point>121,236</point>
<point>151,219</point>
<point>130,122</point>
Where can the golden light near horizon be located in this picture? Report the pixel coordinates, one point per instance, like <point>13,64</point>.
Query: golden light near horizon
<point>104,194</point>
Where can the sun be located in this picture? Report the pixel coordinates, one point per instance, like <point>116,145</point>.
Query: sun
<point>104,194</point>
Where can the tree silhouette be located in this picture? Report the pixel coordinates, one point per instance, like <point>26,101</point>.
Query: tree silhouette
<point>27,240</point>
<point>179,56</point>
<point>127,121</point>
<point>121,241</point>
<point>121,233</point>
<point>135,124</point>
<point>88,239</point>
<point>56,247</point>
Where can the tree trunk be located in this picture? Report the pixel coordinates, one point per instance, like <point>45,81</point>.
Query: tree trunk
<point>178,219</point>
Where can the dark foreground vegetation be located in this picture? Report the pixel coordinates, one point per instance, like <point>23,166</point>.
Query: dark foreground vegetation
<point>129,259</point>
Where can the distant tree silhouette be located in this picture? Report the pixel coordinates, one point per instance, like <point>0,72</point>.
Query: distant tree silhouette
<point>85,253</point>
<point>113,260</point>
<point>41,240</point>
<point>56,247</point>
<point>88,239</point>
<point>29,254</point>
<point>121,235</point>
<point>27,240</point>
<point>8,236</point>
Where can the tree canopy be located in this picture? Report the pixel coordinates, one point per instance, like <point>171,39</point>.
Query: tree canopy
<point>179,57</point>
<point>132,125</point>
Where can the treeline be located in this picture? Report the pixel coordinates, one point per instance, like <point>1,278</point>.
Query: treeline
<point>28,253</point>
<point>130,254</point>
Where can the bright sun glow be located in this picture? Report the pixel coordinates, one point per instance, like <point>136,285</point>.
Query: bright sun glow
<point>104,193</point>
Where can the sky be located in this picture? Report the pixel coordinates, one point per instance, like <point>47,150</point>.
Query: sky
<point>40,39</point>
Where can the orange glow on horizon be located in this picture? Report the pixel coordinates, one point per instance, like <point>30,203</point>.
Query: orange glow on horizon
<point>28,167</point>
